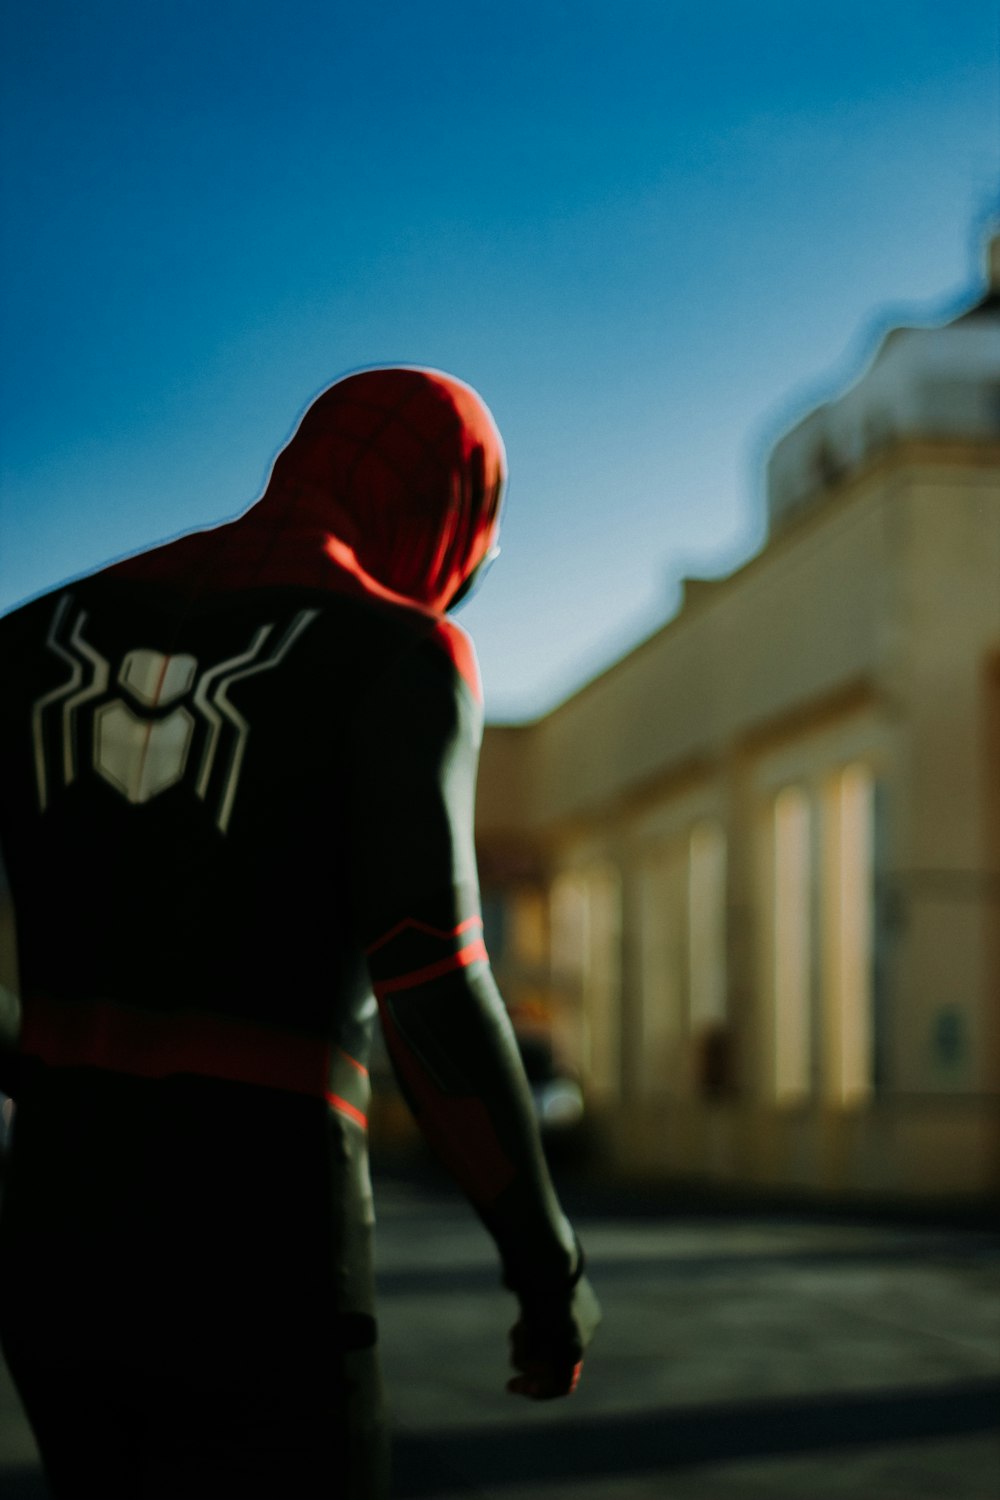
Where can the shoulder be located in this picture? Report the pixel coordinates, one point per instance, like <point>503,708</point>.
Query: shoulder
<point>425,700</point>
<point>419,647</point>
<point>453,641</point>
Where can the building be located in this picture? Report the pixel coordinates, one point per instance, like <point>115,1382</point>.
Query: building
<point>749,876</point>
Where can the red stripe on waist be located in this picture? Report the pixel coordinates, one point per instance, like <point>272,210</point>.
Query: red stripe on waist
<point>159,1044</point>
<point>470,954</point>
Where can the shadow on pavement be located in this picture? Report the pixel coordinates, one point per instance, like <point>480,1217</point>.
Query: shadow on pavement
<point>457,1463</point>
<point>406,1281</point>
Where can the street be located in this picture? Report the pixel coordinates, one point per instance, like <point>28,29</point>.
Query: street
<point>753,1357</point>
<point>757,1356</point>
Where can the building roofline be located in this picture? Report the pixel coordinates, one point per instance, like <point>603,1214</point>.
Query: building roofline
<point>704,593</point>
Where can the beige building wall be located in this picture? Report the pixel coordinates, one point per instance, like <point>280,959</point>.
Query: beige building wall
<point>767,840</point>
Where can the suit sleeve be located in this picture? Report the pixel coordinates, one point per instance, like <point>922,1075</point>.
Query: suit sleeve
<point>414,758</point>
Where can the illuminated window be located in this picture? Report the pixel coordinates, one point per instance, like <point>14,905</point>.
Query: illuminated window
<point>793,941</point>
<point>849,891</point>
<point>586,964</point>
<point>528,927</point>
<point>707,925</point>
<point>602,981</point>
<point>661,916</point>
<point>569,929</point>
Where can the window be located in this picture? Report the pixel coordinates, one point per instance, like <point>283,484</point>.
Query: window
<point>792,945</point>
<point>527,923</point>
<point>602,981</point>
<point>661,916</point>
<point>707,925</point>
<point>849,900</point>
<point>586,962</point>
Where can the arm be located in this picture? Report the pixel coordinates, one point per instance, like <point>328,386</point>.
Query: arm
<point>446,1027</point>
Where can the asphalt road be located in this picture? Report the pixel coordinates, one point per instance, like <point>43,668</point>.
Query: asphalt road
<point>741,1355</point>
<point>757,1356</point>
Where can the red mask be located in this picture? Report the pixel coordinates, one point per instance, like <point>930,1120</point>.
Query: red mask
<point>394,476</point>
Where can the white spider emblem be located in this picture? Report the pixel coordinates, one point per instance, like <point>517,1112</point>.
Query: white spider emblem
<point>136,747</point>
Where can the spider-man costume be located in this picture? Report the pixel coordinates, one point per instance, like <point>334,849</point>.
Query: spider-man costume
<point>236,793</point>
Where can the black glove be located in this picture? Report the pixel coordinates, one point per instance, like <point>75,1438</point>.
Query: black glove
<point>547,1342</point>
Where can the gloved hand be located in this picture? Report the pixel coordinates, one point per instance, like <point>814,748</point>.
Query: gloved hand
<point>547,1342</point>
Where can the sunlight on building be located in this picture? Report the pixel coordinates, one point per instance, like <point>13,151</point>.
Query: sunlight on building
<point>602,980</point>
<point>661,917</point>
<point>793,781</point>
<point>529,929</point>
<point>707,924</point>
<point>849,889</point>
<point>793,937</point>
<point>569,929</point>
<point>586,956</point>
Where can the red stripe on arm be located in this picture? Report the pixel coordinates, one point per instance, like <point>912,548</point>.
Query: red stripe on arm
<point>472,953</point>
<point>358,1066</point>
<point>350,1110</point>
<point>411,923</point>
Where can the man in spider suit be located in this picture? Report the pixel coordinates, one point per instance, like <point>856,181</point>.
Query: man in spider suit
<point>236,800</point>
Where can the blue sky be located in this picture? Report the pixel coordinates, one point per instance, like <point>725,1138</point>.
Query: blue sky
<point>650,236</point>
